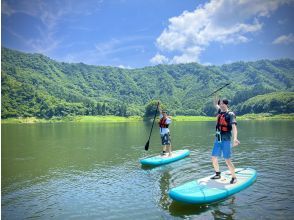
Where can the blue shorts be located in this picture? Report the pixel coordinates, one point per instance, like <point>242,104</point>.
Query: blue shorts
<point>222,147</point>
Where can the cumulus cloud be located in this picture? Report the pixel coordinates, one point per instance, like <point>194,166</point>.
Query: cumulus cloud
<point>221,21</point>
<point>159,59</point>
<point>191,55</point>
<point>284,39</point>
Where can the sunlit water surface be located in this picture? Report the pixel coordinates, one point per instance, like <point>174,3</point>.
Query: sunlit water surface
<point>91,171</point>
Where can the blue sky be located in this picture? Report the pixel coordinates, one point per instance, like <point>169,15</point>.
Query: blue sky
<point>138,33</point>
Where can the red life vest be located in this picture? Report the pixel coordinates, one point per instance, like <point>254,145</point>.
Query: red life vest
<point>162,123</point>
<point>223,122</point>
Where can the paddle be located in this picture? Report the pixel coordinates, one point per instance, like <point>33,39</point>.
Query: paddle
<point>147,144</point>
<point>218,90</point>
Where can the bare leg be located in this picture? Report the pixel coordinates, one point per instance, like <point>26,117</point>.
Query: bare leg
<point>164,148</point>
<point>169,150</point>
<point>215,164</point>
<point>231,167</point>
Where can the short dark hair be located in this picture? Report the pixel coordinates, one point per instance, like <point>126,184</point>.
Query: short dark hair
<point>226,101</point>
<point>164,111</point>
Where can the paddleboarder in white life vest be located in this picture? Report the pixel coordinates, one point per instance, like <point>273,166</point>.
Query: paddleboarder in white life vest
<point>164,122</point>
<point>226,127</point>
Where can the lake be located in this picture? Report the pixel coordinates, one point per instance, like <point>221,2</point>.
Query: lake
<point>92,171</point>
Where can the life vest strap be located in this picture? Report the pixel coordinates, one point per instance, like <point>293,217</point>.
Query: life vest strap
<point>162,123</point>
<point>223,122</point>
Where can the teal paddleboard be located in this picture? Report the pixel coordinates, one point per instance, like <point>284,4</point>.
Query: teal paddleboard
<point>160,160</point>
<point>206,190</point>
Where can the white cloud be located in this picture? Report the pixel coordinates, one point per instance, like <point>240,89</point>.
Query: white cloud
<point>284,39</point>
<point>282,21</point>
<point>108,52</point>
<point>220,21</point>
<point>50,14</point>
<point>116,46</point>
<point>6,9</point>
<point>207,64</point>
<point>124,67</point>
<point>189,55</point>
<point>159,59</point>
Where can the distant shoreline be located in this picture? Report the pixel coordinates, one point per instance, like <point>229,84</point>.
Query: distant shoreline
<point>109,118</point>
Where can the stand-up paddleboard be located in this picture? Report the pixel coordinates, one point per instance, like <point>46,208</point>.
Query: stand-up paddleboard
<point>206,190</point>
<point>160,160</point>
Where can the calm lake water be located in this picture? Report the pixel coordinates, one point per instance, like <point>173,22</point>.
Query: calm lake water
<point>91,171</point>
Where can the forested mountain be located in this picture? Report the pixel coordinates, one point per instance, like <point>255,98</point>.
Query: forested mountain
<point>35,85</point>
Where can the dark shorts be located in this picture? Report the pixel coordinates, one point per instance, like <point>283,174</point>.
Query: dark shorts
<point>165,139</point>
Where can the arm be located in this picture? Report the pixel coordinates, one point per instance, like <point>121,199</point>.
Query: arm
<point>216,102</point>
<point>159,108</point>
<point>235,135</point>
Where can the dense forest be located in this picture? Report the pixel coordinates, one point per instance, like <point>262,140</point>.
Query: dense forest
<point>35,85</point>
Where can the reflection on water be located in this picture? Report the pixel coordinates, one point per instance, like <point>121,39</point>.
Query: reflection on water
<point>92,171</point>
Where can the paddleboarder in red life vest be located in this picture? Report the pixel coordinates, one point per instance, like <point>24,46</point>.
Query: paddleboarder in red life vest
<point>164,123</point>
<point>226,127</point>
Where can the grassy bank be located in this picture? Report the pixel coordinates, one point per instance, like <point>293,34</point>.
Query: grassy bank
<point>98,119</point>
<point>72,119</point>
<point>193,118</point>
<point>263,116</point>
<point>266,116</point>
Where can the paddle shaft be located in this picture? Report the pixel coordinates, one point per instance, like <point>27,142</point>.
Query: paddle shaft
<point>153,121</point>
<point>152,127</point>
<point>218,90</point>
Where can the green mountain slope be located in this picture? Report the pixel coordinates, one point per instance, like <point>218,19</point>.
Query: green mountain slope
<point>35,85</point>
<point>276,102</point>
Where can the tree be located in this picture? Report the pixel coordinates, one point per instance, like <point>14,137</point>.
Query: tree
<point>35,85</point>
<point>150,108</point>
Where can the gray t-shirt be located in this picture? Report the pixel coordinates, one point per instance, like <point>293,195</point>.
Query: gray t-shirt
<point>226,136</point>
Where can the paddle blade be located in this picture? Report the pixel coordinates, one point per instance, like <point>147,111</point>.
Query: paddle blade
<point>147,145</point>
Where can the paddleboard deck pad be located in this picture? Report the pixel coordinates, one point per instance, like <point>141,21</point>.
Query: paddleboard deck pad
<point>206,190</point>
<point>160,160</point>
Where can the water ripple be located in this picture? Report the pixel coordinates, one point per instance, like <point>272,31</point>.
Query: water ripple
<point>102,178</point>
